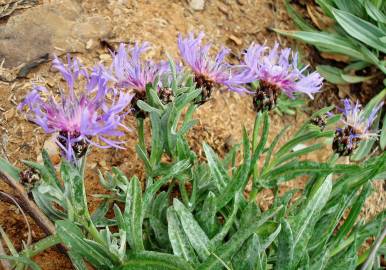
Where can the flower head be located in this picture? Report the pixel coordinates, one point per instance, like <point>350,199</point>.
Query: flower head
<point>129,70</point>
<point>277,70</point>
<point>207,70</point>
<point>78,118</point>
<point>356,126</point>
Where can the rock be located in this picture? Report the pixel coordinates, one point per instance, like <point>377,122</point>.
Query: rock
<point>52,149</point>
<point>56,27</point>
<point>105,57</point>
<point>236,40</point>
<point>89,44</point>
<point>197,4</point>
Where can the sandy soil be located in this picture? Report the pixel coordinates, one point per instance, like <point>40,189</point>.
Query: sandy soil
<point>235,23</point>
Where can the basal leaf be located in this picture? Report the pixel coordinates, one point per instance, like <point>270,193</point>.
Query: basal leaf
<point>327,42</point>
<point>150,260</point>
<point>229,249</point>
<point>73,238</point>
<point>360,29</point>
<point>133,215</point>
<point>285,251</point>
<point>375,13</point>
<point>197,237</point>
<point>179,240</point>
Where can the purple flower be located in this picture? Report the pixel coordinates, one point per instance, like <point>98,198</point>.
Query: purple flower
<point>208,71</point>
<point>355,118</point>
<point>356,126</point>
<point>277,69</point>
<point>130,71</point>
<point>97,111</point>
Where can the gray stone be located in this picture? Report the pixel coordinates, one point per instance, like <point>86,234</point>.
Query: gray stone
<point>57,27</point>
<point>197,4</point>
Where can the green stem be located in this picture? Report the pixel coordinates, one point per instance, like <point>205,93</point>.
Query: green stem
<point>141,132</point>
<point>342,246</point>
<point>93,231</point>
<point>255,172</point>
<point>85,219</point>
<point>184,193</point>
<point>41,245</point>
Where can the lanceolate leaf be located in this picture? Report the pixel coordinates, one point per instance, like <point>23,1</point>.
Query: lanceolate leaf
<point>285,251</point>
<point>73,238</point>
<point>382,139</point>
<point>298,19</point>
<point>7,169</point>
<point>179,240</point>
<point>327,42</point>
<point>218,171</point>
<point>375,13</point>
<point>302,225</point>
<point>133,215</point>
<point>226,251</point>
<point>150,260</point>
<point>247,256</point>
<point>360,29</point>
<point>197,237</point>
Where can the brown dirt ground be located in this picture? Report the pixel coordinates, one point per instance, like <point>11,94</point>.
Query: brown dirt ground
<point>235,23</point>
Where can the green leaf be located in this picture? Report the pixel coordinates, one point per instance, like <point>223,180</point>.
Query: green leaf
<point>207,216</point>
<point>360,29</point>
<point>374,12</point>
<point>147,108</point>
<point>259,147</point>
<point>347,260</point>
<point>150,260</point>
<point>353,215</point>
<point>9,170</point>
<point>301,139</point>
<point>331,74</point>
<point>303,223</point>
<point>353,7</point>
<point>327,42</point>
<point>375,101</point>
<point>143,156</point>
<point>240,180</point>
<point>133,215</point>
<point>285,251</point>
<point>336,75</point>
<point>272,147</point>
<point>218,238</point>
<point>50,167</point>
<point>218,172</point>
<point>73,238</point>
<point>23,260</point>
<point>267,234</point>
<point>156,140</point>
<point>173,170</point>
<point>297,18</point>
<point>160,232</point>
<point>382,139</point>
<point>247,256</point>
<point>179,240</point>
<point>77,261</point>
<point>356,79</point>
<point>197,237</point>
<point>326,6</point>
<point>229,249</point>
<point>298,153</point>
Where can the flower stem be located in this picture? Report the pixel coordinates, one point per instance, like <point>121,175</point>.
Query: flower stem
<point>255,170</point>
<point>141,132</point>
